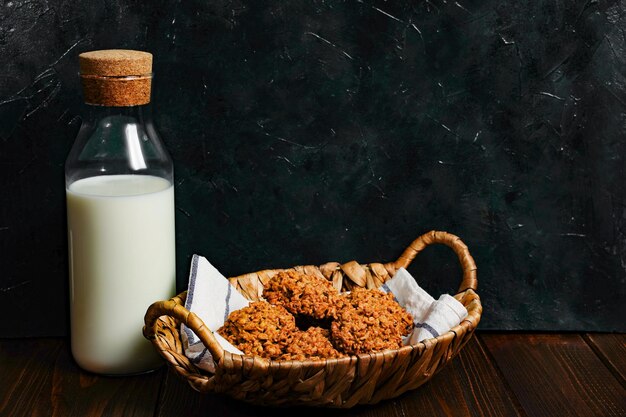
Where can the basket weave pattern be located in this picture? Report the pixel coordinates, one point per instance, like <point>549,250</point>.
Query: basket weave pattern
<point>344,382</point>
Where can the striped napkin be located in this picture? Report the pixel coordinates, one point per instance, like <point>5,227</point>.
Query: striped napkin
<point>211,296</point>
<point>431,317</point>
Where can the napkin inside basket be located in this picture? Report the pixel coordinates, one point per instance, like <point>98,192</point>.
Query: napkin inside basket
<point>211,296</point>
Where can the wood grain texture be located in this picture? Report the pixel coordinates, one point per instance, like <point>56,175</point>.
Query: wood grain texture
<point>78,393</point>
<point>494,375</point>
<point>556,375</point>
<point>40,378</point>
<point>612,350</point>
<point>26,373</point>
<point>467,386</point>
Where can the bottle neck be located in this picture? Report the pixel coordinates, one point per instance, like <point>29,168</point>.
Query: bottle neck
<point>141,114</point>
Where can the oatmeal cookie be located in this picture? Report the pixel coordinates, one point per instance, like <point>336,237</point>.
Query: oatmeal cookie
<point>260,329</point>
<point>312,344</point>
<point>303,294</point>
<point>369,321</point>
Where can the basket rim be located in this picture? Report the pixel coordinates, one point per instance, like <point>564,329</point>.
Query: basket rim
<point>474,306</point>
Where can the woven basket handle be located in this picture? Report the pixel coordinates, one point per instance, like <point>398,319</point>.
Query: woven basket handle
<point>175,309</point>
<point>467,262</point>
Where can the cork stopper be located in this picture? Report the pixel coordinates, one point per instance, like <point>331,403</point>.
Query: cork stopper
<point>116,77</point>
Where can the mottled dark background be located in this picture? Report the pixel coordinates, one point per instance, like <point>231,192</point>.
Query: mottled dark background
<point>311,131</point>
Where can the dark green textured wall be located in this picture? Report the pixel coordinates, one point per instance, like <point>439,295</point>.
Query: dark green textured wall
<point>311,131</point>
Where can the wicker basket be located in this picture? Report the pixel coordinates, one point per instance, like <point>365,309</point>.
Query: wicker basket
<point>343,383</point>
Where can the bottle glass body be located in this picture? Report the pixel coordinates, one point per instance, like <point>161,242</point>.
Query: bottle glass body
<point>120,211</point>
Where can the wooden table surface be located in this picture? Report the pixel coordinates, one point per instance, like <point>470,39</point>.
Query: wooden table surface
<point>496,374</point>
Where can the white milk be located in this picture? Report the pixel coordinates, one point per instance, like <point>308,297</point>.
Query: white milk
<point>121,244</point>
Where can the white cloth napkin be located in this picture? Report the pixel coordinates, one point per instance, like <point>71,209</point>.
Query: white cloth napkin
<point>431,317</point>
<point>213,298</point>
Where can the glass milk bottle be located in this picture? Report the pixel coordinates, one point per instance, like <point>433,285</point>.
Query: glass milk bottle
<point>120,213</point>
